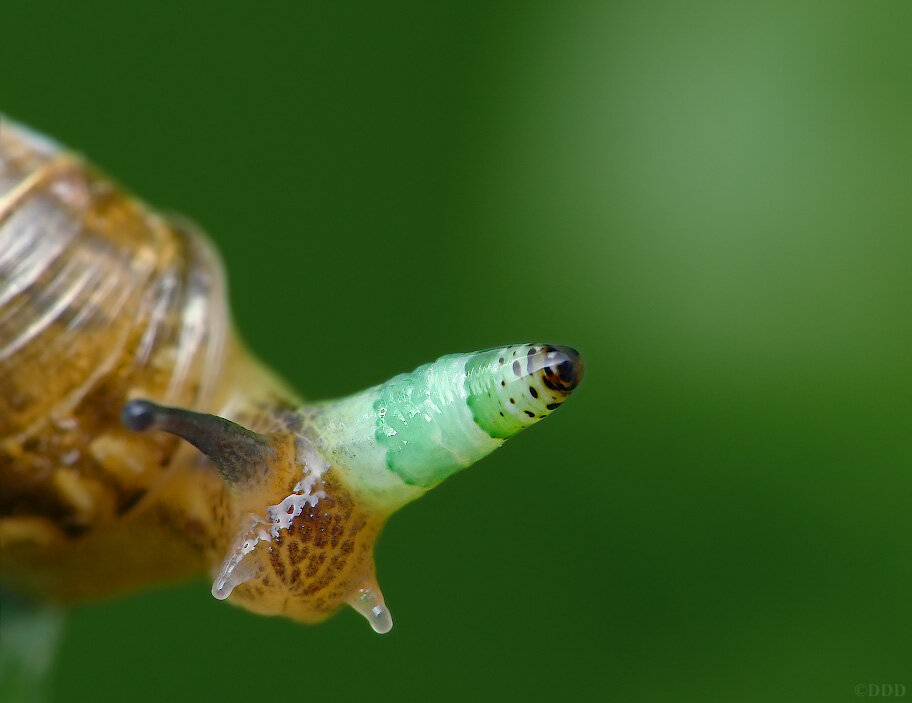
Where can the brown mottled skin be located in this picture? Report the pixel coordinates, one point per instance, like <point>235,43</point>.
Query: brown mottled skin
<point>111,302</point>
<point>316,563</point>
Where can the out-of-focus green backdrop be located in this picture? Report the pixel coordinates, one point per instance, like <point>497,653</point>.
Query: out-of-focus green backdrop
<point>710,199</point>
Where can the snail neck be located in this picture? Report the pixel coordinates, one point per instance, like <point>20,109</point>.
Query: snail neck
<point>251,394</point>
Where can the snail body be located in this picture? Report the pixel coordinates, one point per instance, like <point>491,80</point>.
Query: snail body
<point>116,342</point>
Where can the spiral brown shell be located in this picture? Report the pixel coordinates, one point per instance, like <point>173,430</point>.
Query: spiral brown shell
<point>101,300</point>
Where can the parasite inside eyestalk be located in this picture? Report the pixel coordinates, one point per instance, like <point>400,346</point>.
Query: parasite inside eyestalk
<point>407,435</point>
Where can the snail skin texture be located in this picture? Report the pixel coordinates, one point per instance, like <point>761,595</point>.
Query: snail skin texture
<point>140,442</point>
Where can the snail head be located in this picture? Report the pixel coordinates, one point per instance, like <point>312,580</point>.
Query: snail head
<point>308,504</point>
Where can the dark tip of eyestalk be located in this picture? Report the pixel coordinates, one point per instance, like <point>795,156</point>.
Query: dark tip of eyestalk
<point>563,367</point>
<point>138,415</point>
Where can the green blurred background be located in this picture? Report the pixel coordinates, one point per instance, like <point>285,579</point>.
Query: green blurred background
<point>709,199</point>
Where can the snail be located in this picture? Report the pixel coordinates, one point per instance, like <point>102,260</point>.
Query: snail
<point>140,442</point>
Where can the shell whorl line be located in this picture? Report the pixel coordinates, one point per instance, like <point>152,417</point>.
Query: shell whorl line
<point>357,460</point>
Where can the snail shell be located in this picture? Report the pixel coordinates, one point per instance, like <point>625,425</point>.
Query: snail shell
<point>100,299</point>
<point>105,303</point>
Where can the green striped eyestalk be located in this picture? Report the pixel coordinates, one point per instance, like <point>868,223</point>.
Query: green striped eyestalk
<point>400,438</point>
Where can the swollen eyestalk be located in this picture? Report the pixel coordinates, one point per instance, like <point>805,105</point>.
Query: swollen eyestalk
<point>405,436</point>
<point>305,520</point>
